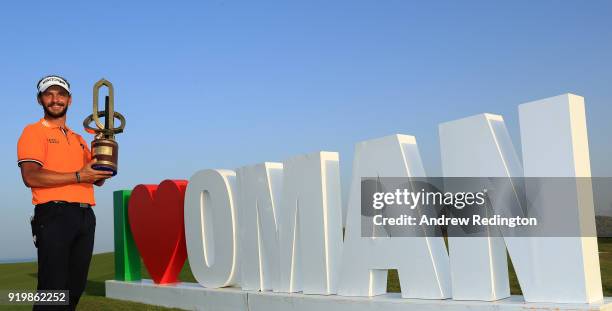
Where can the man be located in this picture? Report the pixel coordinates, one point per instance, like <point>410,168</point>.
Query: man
<point>56,164</point>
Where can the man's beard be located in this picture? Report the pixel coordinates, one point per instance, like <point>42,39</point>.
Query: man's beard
<point>53,114</point>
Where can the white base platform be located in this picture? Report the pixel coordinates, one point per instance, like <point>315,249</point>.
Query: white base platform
<point>192,296</point>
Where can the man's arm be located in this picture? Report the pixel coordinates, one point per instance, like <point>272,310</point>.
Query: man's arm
<point>34,175</point>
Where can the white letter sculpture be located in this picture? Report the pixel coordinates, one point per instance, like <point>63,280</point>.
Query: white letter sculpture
<point>554,143</point>
<point>422,262</point>
<point>310,224</point>
<point>259,188</point>
<point>210,228</point>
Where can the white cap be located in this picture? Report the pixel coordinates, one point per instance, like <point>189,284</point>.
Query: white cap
<point>49,81</point>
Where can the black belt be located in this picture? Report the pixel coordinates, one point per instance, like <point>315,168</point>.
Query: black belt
<point>64,203</point>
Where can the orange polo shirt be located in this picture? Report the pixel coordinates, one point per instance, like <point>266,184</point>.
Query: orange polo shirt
<point>59,151</point>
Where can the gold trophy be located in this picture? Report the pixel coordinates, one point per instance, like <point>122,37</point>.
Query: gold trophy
<point>104,147</point>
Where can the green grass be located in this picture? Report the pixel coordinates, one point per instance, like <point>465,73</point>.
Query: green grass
<point>22,276</point>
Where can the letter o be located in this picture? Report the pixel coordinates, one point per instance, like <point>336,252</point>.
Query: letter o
<point>210,228</point>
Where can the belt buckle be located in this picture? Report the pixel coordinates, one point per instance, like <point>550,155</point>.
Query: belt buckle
<point>83,205</point>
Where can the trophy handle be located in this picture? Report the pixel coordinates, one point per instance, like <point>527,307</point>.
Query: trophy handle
<point>110,131</point>
<point>111,109</point>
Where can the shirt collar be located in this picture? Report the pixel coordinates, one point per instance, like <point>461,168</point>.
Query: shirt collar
<point>49,125</point>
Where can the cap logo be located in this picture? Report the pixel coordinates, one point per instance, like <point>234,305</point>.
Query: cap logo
<point>50,81</point>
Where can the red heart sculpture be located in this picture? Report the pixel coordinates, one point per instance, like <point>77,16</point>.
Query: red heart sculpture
<point>157,223</point>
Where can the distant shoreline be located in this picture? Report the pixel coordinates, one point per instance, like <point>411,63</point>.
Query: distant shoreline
<point>17,260</point>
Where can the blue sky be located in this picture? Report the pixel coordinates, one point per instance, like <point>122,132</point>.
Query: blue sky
<point>221,84</point>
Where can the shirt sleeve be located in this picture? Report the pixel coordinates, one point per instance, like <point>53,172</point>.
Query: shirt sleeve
<point>31,147</point>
